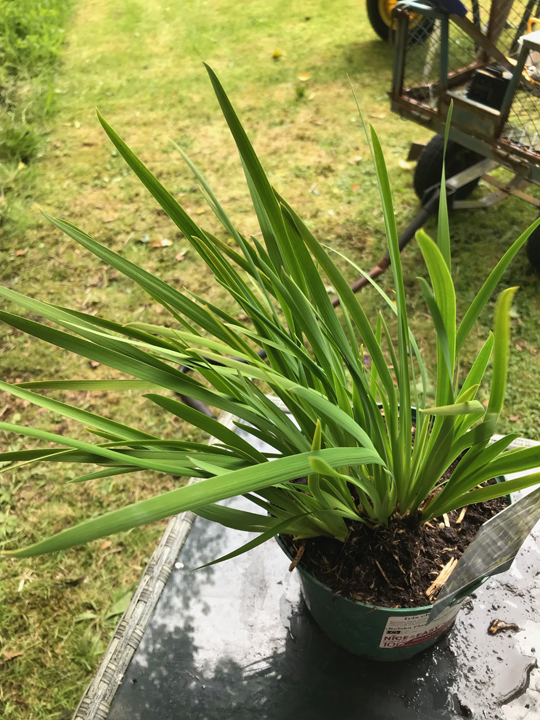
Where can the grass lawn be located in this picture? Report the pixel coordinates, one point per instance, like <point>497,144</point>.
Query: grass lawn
<point>140,63</point>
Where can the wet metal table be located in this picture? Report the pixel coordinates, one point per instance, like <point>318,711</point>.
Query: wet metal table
<point>235,641</point>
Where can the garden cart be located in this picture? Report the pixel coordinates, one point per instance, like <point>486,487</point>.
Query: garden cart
<point>484,61</point>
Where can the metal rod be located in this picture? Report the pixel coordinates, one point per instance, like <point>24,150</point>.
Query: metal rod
<point>513,188</point>
<point>419,221</point>
<point>522,26</point>
<point>469,174</point>
<point>512,86</point>
<point>443,80</point>
<point>500,9</point>
<point>400,52</point>
<point>476,13</point>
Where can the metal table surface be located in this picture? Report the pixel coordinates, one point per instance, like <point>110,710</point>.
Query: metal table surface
<point>236,641</point>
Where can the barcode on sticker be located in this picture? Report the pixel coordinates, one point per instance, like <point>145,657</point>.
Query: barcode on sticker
<point>413,629</point>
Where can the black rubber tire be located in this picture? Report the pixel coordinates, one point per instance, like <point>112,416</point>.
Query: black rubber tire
<point>418,34</point>
<point>429,167</point>
<point>533,249</point>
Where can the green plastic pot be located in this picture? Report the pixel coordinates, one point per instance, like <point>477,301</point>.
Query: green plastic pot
<point>379,633</point>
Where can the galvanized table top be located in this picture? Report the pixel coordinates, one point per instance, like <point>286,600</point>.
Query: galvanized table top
<point>236,641</point>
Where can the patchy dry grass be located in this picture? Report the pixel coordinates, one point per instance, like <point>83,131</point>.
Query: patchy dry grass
<point>141,65</point>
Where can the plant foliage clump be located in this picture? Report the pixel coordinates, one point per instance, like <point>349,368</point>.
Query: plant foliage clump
<point>343,425</point>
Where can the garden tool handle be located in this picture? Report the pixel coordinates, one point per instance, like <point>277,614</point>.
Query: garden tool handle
<point>428,208</point>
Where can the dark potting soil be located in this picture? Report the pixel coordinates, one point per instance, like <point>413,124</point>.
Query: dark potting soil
<point>393,566</point>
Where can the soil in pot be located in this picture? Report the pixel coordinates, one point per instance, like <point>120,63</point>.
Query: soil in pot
<point>393,566</point>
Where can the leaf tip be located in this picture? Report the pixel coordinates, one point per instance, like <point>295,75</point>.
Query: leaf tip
<point>45,214</point>
<point>422,236</point>
<point>210,72</point>
<point>102,120</point>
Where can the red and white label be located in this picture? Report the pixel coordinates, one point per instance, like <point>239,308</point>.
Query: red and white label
<point>413,629</point>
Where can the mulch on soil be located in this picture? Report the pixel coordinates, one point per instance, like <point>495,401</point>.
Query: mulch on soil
<point>393,566</point>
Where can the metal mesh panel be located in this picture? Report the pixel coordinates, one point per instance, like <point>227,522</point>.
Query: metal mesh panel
<point>523,126</point>
<point>423,62</point>
<point>504,27</point>
<point>462,50</point>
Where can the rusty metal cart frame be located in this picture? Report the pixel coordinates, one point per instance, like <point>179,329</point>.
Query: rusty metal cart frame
<point>482,129</point>
<point>431,76</point>
<point>441,76</point>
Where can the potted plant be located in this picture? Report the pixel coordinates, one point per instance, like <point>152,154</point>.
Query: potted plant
<point>359,457</point>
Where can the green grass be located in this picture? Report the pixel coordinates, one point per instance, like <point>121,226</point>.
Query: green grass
<point>141,65</point>
<point>32,36</point>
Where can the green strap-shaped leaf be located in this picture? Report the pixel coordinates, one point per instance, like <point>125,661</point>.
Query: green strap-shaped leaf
<point>79,325</point>
<point>476,373</point>
<point>402,456</point>
<point>85,385</point>
<point>349,299</point>
<point>173,209</point>
<point>483,495</point>
<point>334,414</point>
<point>236,519</point>
<point>440,327</point>
<point>107,472</point>
<point>98,450</point>
<point>443,287</point>
<point>501,348</point>
<point>25,455</point>
<point>156,288</point>
<point>487,289</point>
<point>207,424</point>
<point>393,308</point>
<point>171,378</point>
<point>478,457</point>
<point>123,431</point>
<point>463,408</point>
<point>114,327</point>
<point>513,461</point>
<point>322,467</point>
<point>443,229</point>
<point>481,434</point>
<point>261,191</point>
<point>313,480</point>
<point>317,289</point>
<point>287,526</point>
<point>508,462</point>
<point>193,496</point>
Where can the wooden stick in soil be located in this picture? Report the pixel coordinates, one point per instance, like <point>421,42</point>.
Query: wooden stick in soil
<point>443,576</point>
<point>384,576</point>
<point>461,515</point>
<point>298,556</point>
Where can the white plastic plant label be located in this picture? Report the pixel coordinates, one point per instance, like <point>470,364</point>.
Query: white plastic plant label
<point>402,631</point>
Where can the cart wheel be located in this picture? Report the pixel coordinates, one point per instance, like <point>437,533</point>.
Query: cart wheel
<point>429,167</point>
<point>533,249</point>
<point>380,16</point>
